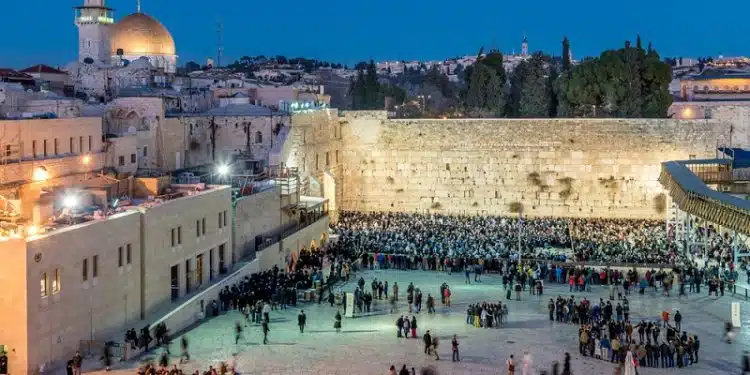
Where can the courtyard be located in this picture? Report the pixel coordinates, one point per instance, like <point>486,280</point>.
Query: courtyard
<point>368,344</point>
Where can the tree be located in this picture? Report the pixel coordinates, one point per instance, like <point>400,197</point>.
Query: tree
<point>535,95</point>
<point>566,63</point>
<point>551,89</point>
<point>629,82</point>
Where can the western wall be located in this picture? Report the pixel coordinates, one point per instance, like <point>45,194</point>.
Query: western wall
<point>541,167</point>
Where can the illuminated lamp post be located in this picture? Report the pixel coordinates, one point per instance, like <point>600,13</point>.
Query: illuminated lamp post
<point>222,171</point>
<point>86,160</point>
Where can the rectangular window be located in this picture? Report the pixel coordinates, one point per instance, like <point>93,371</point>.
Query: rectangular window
<point>80,144</point>
<point>91,142</point>
<point>33,149</point>
<point>121,161</point>
<point>197,228</point>
<point>43,284</point>
<point>85,269</point>
<point>132,158</point>
<point>95,266</point>
<point>179,235</point>
<point>203,226</point>
<point>174,237</point>
<point>119,256</point>
<point>70,146</point>
<point>328,159</point>
<point>225,218</point>
<point>317,162</point>
<point>56,282</point>
<point>44,148</point>
<point>145,151</point>
<point>127,253</point>
<point>7,151</point>
<point>57,146</point>
<point>337,156</point>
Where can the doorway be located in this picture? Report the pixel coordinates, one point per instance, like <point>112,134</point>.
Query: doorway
<point>199,269</point>
<point>175,277</point>
<point>188,279</point>
<point>211,264</point>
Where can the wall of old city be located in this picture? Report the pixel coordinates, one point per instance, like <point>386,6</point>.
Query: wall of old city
<point>314,145</point>
<point>255,215</point>
<point>174,236</point>
<point>555,167</point>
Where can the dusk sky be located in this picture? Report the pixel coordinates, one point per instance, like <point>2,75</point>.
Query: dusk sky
<point>42,31</point>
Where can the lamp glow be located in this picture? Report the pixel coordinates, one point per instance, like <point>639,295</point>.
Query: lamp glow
<point>86,160</point>
<point>70,201</point>
<point>32,230</point>
<point>40,174</point>
<point>223,170</point>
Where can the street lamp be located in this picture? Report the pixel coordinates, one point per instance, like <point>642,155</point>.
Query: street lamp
<point>40,174</point>
<point>86,160</point>
<point>223,170</point>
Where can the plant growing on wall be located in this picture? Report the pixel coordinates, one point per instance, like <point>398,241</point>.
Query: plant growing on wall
<point>567,187</point>
<point>436,206</point>
<point>515,207</point>
<point>609,183</point>
<point>660,203</point>
<point>389,179</point>
<point>536,180</point>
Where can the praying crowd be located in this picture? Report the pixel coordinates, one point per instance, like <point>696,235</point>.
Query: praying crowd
<point>444,242</point>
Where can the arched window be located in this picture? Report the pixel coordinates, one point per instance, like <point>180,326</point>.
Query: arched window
<point>258,137</point>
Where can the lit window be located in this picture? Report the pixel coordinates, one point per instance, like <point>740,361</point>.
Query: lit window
<point>43,284</point>
<point>56,282</point>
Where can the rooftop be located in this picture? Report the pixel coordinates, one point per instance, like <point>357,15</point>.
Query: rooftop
<point>242,109</point>
<point>41,68</point>
<point>99,198</point>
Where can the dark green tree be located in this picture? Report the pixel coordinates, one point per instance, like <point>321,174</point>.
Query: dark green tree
<point>534,101</point>
<point>566,63</point>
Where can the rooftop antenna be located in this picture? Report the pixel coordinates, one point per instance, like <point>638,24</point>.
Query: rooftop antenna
<point>138,6</point>
<point>219,42</point>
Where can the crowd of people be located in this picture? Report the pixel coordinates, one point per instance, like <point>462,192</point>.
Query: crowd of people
<point>406,240</point>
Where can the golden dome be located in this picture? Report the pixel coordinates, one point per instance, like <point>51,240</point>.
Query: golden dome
<point>141,35</point>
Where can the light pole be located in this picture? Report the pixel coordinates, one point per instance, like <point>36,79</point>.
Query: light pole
<point>86,160</point>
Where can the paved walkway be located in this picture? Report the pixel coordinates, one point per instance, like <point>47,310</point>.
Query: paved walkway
<point>368,345</point>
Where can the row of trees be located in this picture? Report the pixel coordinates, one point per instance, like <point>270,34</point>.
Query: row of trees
<point>628,82</point>
<point>366,92</point>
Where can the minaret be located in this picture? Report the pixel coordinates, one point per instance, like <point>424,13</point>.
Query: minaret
<point>94,20</point>
<point>524,47</point>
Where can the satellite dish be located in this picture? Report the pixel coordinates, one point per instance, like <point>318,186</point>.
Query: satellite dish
<point>88,60</point>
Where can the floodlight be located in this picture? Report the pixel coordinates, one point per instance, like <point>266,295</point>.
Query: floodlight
<point>70,201</point>
<point>40,174</point>
<point>223,170</point>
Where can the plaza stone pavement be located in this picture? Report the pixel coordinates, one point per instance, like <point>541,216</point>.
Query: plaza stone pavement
<point>368,345</point>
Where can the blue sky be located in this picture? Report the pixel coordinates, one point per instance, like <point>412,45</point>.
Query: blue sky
<point>349,31</point>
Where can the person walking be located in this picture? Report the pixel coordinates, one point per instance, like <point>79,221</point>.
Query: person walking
<point>265,331</point>
<point>184,346</point>
<point>301,321</point>
<point>414,327</point>
<point>454,346</point>
<point>511,363</point>
<point>337,322</point>
<point>678,320</point>
<point>427,338</point>
<point>237,332</point>
<point>435,343</point>
<point>77,362</point>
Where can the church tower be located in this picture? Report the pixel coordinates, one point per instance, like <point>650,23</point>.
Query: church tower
<point>94,20</point>
<point>524,47</point>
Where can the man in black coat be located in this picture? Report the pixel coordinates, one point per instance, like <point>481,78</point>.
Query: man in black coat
<point>427,342</point>
<point>301,321</point>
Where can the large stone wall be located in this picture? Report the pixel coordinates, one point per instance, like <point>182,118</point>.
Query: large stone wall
<point>544,167</point>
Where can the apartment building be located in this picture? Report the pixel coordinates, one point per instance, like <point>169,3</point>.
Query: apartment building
<point>101,257</point>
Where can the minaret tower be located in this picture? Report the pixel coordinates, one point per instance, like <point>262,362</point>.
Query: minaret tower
<point>524,47</point>
<point>94,20</point>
